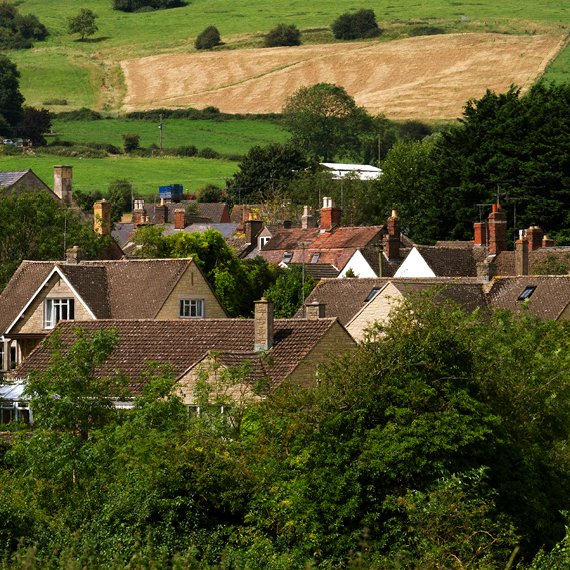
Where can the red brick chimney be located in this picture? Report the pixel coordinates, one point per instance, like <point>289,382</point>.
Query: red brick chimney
<point>497,230</point>
<point>330,215</point>
<point>534,236</point>
<point>161,213</point>
<point>179,219</point>
<point>521,255</point>
<point>392,240</point>
<point>547,242</point>
<point>139,214</point>
<point>480,233</point>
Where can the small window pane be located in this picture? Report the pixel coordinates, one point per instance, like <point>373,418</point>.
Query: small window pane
<point>526,293</point>
<point>191,308</point>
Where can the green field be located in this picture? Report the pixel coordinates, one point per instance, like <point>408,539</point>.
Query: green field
<point>146,174</point>
<point>87,73</point>
<point>227,137</point>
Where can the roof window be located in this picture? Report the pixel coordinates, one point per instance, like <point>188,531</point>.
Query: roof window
<point>528,291</point>
<point>315,257</point>
<point>287,257</point>
<point>372,293</point>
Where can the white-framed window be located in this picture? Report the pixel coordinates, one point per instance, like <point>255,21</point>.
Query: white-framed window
<point>56,310</point>
<point>315,257</point>
<point>191,308</point>
<point>263,240</point>
<point>287,257</point>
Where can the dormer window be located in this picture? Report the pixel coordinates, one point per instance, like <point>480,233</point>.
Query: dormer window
<point>191,308</point>
<point>56,310</point>
<point>528,291</point>
<point>287,257</point>
<point>315,257</point>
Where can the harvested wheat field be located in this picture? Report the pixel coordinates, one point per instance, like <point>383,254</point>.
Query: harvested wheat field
<point>418,78</point>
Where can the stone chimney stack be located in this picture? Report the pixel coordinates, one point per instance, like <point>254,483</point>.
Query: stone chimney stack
<point>263,325</point>
<point>521,255</point>
<point>392,240</point>
<point>62,178</point>
<point>315,310</point>
<point>486,270</point>
<point>179,219</point>
<point>480,233</point>
<point>307,218</point>
<point>73,255</point>
<point>497,230</point>
<point>330,215</point>
<point>102,217</point>
<point>534,236</point>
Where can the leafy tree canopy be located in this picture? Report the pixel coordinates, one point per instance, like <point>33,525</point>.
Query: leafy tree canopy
<point>289,291</point>
<point>34,125</point>
<point>283,35</point>
<point>360,24</point>
<point>325,121</point>
<point>120,194</point>
<point>11,100</point>
<point>18,31</point>
<point>208,38</point>
<point>83,23</point>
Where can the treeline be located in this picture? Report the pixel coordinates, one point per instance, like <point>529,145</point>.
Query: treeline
<point>146,5</point>
<point>439,443</point>
<point>19,31</point>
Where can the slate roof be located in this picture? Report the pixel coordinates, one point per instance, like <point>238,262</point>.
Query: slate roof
<point>452,261</point>
<point>180,344</point>
<point>505,260</point>
<point>344,298</point>
<point>122,289</point>
<point>9,178</point>
<point>548,300</point>
<point>319,270</point>
<point>213,212</point>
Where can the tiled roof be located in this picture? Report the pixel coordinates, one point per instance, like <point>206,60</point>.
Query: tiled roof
<point>319,270</point>
<point>122,289</point>
<point>505,260</point>
<point>345,297</point>
<point>181,344</point>
<point>550,296</point>
<point>9,178</point>
<point>452,261</point>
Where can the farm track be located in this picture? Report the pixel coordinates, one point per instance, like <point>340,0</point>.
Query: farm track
<point>427,78</point>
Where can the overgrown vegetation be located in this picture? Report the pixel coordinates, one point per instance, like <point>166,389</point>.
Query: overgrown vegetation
<point>415,451</point>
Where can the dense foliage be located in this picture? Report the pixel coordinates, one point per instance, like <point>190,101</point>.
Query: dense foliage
<point>208,38</point>
<point>35,123</point>
<point>11,100</point>
<point>18,31</point>
<point>355,25</point>
<point>143,5</point>
<point>35,226</point>
<point>83,23</point>
<point>283,35</point>
<point>440,443</point>
<point>120,194</point>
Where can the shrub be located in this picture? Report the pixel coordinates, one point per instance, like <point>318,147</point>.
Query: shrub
<point>361,24</point>
<point>83,114</point>
<point>426,31</point>
<point>208,152</point>
<point>283,35</point>
<point>131,142</point>
<point>211,193</point>
<point>208,38</point>
<point>189,150</point>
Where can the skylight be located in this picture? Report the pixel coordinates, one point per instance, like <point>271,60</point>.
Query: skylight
<point>528,291</point>
<point>372,293</point>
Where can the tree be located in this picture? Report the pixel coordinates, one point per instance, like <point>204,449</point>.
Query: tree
<point>325,121</point>
<point>34,124</point>
<point>360,24</point>
<point>131,142</point>
<point>120,194</point>
<point>11,100</point>
<point>17,31</point>
<point>283,35</point>
<point>208,38</point>
<point>211,194</point>
<point>83,23</point>
<point>289,291</point>
<point>264,170</point>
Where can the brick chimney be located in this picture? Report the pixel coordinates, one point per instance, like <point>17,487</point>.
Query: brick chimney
<point>497,230</point>
<point>547,242</point>
<point>252,229</point>
<point>534,236</point>
<point>161,213</point>
<point>73,255</point>
<point>62,177</point>
<point>480,233</point>
<point>263,325</point>
<point>139,214</point>
<point>307,218</point>
<point>315,310</point>
<point>102,217</point>
<point>179,219</point>
<point>392,240</point>
<point>521,255</point>
<point>330,215</point>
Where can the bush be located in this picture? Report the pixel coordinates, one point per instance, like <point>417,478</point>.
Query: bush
<point>426,31</point>
<point>208,39</point>
<point>283,35</point>
<point>83,114</point>
<point>211,194</point>
<point>189,150</point>
<point>131,142</point>
<point>361,24</point>
<point>146,5</point>
<point>208,153</point>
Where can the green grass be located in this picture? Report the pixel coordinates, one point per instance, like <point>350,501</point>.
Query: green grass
<point>227,137</point>
<point>146,174</point>
<point>559,70</point>
<point>86,73</point>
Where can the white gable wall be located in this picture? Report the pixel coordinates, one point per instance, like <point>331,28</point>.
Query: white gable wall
<point>414,266</point>
<point>359,266</point>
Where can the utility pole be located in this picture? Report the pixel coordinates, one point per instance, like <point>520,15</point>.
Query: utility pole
<point>160,129</point>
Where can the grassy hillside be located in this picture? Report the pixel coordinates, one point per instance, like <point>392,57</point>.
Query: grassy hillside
<point>87,73</point>
<point>146,174</point>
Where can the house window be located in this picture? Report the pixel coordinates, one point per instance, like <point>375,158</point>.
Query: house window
<point>287,257</point>
<point>58,310</point>
<point>315,257</point>
<point>1,355</point>
<point>13,356</point>
<point>372,293</point>
<point>191,308</point>
<point>528,291</point>
<point>263,240</point>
